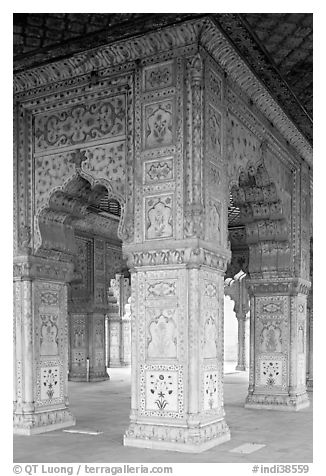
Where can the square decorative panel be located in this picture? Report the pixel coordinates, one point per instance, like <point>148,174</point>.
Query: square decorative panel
<point>160,170</point>
<point>161,391</point>
<point>158,76</point>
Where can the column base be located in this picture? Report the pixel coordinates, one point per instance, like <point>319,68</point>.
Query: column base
<point>277,402</point>
<point>177,438</point>
<point>35,423</point>
<point>115,365</point>
<point>98,377</point>
<point>242,368</point>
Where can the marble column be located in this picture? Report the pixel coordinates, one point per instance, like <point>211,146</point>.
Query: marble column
<point>177,354</point>
<point>118,323</point>
<point>243,341</point>
<point>310,374</point>
<point>114,331</point>
<point>87,306</point>
<point>40,342</point>
<point>278,313</point>
<point>177,254</point>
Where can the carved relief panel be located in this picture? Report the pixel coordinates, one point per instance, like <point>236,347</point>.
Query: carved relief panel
<point>51,334</point>
<point>159,212</point>
<point>91,120</point>
<point>158,123</point>
<point>158,76</point>
<point>159,170</point>
<point>271,341</point>
<point>161,334</point>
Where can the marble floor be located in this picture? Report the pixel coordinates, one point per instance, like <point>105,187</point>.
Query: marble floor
<point>104,407</point>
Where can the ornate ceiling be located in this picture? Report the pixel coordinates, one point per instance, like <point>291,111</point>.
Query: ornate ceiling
<point>277,46</point>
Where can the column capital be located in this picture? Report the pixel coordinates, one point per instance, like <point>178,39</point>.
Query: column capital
<point>33,267</point>
<point>284,286</point>
<point>192,252</point>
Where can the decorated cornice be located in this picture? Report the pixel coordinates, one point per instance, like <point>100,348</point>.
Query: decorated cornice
<point>239,72</point>
<point>106,56</point>
<point>235,27</point>
<point>203,31</point>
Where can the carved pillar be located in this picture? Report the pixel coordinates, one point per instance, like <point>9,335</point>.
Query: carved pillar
<point>114,331</point>
<point>126,335</point>
<point>177,257</point>
<point>41,341</point>
<point>310,313</point>
<point>119,331</point>
<point>96,322</point>
<point>243,326</point>
<point>87,305</point>
<point>243,341</point>
<point>310,374</point>
<point>278,346</point>
<point>237,290</point>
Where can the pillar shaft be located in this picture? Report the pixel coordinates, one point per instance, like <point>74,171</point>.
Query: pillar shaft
<point>243,342</point>
<point>41,338</point>
<point>177,365</point>
<point>278,345</point>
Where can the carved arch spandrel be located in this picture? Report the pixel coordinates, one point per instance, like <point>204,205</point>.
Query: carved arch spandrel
<point>65,205</point>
